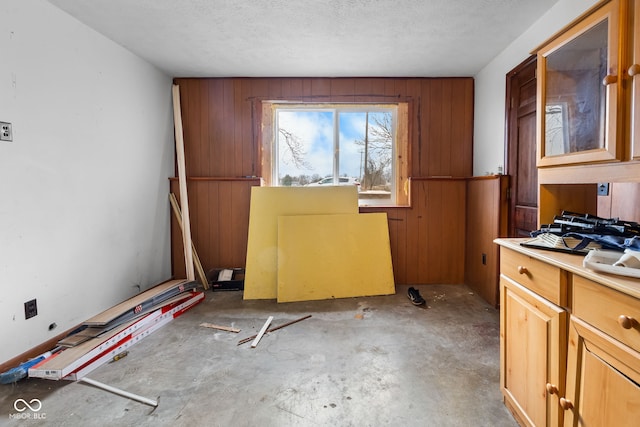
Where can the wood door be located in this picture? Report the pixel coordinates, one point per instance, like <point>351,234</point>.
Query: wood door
<point>603,378</point>
<point>521,148</point>
<point>532,339</point>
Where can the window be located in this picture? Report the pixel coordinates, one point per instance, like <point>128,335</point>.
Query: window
<point>338,144</point>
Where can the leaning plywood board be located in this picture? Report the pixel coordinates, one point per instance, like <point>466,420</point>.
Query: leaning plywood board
<point>333,256</point>
<point>267,204</point>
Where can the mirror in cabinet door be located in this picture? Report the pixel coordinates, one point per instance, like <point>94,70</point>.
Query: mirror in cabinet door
<point>579,91</point>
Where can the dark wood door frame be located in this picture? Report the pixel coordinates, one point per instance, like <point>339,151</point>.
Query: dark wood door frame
<point>520,147</point>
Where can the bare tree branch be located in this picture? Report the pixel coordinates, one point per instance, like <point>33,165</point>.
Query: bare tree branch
<point>295,150</point>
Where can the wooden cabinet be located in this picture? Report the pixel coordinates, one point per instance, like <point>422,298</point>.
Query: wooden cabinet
<point>609,113</point>
<point>532,354</point>
<point>580,89</point>
<point>633,72</point>
<point>603,365</point>
<point>573,364</point>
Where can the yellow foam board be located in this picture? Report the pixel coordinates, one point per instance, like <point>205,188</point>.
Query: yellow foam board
<point>269,203</point>
<point>333,256</point>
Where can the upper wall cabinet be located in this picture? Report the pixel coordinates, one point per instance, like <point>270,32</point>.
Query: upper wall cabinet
<point>580,89</point>
<point>634,73</point>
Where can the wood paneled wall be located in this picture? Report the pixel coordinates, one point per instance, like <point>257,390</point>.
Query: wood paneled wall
<point>221,121</point>
<point>487,218</point>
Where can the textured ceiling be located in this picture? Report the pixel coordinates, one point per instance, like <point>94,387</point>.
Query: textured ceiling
<point>311,38</point>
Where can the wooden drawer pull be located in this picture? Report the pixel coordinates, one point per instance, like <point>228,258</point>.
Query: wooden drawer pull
<point>552,389</point>
<point>565,404</point>
<point>522,269</point>
<point>627,322</point>
<point>609,80</point>
<point>633,70</point>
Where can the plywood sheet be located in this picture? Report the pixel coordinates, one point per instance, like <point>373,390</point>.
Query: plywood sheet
<point>269,203</point>
<point>333,256</point>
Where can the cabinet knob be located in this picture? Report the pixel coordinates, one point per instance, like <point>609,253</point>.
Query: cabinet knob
<point>627,322</point>
<point>552,389</point>
<point>609,79</point>
<point>522,269</point>
<point>633,70</point>
<point>565,404</point>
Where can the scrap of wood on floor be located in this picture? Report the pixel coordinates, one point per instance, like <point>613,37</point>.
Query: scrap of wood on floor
<point>275,328</point>
<point>254,344</point>
<point>222,328</point>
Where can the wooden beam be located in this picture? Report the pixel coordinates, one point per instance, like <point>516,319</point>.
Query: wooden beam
<point>182,180</point>
<point>175,206</point>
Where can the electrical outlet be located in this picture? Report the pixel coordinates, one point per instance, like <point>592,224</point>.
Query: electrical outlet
<point>603,189</point>
<point>30,309</point>
<point>6,132</point>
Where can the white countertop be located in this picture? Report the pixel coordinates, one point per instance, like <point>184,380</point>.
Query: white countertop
<point>573,264</point>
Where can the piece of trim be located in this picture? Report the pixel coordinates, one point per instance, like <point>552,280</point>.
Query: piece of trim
<point>182,181</point>
<point>196,259</point>
<point>119,392</point>
<point>262,331</point>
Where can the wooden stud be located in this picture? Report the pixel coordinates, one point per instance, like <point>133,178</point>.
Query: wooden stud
<point>196,259</point>
<point>182,181</point>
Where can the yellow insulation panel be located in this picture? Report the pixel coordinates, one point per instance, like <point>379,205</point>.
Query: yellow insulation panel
<point>269,203</point>
<point>333,256</point>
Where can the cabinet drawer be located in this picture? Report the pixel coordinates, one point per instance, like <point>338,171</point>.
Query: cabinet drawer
<point>613,312</point>
<point>544,279</point>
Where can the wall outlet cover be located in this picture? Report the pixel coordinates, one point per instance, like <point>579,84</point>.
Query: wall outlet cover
<point>30,309</point>
<point>603,189</point>
<point>6,131</point>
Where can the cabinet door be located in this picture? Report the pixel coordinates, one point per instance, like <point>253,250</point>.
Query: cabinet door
<point>603,378</point>
<point>580,91</point>
<point>634,72</point>
<point>532,355</point>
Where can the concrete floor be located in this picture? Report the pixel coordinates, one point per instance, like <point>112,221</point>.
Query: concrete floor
<point>375,361</point>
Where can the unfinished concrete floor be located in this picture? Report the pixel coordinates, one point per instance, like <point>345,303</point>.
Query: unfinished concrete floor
<point>374,361</point>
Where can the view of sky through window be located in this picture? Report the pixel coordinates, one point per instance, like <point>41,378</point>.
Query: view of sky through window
<point>314,143</point>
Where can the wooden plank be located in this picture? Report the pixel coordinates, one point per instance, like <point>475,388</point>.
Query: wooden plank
<point>245,340</point>
<point>182,178</point>
<point>222,328</point>
<point>262,331</point>
<point>196,259</point>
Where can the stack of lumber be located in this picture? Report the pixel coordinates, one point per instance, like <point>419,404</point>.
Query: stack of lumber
<point>111,332</point>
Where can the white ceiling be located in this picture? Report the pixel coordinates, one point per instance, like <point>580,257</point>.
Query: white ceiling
<point>311,38</point>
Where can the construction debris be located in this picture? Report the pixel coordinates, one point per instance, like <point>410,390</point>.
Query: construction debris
<point>246,340</point>
<point>222,328</point>
<point>261,333</point>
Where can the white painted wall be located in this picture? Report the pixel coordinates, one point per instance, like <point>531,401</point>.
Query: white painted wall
<point>84,214</point>
<point>490,84</point>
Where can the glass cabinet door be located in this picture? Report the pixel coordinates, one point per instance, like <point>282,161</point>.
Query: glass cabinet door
<point>634,73</point>
<point>579,91</point>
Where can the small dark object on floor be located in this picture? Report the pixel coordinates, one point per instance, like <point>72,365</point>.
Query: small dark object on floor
<point>415,297</point>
